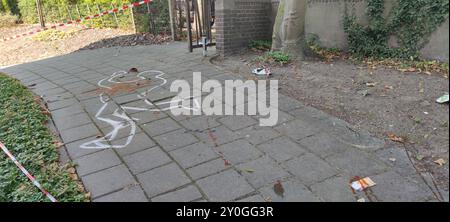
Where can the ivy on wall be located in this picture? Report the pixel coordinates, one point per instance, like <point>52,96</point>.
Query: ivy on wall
<point>412,22</point>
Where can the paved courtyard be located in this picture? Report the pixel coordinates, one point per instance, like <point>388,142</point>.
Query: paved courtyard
<point>202,158</point>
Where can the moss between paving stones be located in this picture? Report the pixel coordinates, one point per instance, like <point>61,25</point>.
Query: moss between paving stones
<point>23,130</point>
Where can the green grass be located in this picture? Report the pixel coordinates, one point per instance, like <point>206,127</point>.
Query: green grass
<point>275,56</point>
<point>264,45</point>
<point>23,131</point>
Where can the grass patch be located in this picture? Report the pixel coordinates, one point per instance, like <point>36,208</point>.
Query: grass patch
<point>261,45</point>
<point>8,20</point>
<point>23,130</point>
<point>275,57</point>
<point>53,35</point>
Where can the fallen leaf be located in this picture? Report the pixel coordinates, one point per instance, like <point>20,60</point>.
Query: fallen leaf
<point>278,188</point>
<point>249,170</point>
<point>71,170</point>
<point>268,199</point>
<point>392,159</point>
<point>58,144</point>
<point>361,200</point>
<point>371,84</point>
<point>440,162</point>
<point>396,138</point>
<point>388,87</point>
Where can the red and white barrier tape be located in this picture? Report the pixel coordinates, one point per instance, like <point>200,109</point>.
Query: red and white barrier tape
<point>24,171</point>
<point>115,10</point>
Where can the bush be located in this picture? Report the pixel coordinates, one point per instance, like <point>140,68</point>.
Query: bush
<point>8,20</point>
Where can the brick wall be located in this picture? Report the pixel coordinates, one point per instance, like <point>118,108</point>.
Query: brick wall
<point>238,22</point>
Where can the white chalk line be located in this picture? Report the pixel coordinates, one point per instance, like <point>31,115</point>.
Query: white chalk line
<point>128,123</point>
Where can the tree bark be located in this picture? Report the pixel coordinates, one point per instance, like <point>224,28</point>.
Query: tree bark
<point>289,27</point>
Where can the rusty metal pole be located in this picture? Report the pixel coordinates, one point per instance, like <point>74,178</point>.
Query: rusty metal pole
<point>40,13</point>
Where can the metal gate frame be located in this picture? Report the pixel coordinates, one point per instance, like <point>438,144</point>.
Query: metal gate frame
<point>203,22</point>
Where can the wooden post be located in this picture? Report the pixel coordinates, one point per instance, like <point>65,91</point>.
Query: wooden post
<point>78,11</point>
<point>70,14</point>
<point>101,17</point>
<point>115,16</point>
<point>132,20</point>
<point>172,18</point>
<point>40,13</point>
<point>189,26</point>
<point>90,13</point>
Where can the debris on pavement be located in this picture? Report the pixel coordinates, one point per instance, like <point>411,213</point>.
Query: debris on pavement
<point>133,70</point>
<point>249,170</point>
<point>278,188</point>
<point>440,162</point>
<point>443,99</point>
<point>361,200</point>
<point>262,71</point>
<point>362,184</point>
<point>396,138</point>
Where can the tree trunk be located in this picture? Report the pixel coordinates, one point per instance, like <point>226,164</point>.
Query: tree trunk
<point>289,28</point>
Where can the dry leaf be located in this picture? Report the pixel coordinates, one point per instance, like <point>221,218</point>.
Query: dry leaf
<point>58,144</point>
<point>249,170</point>
<point>388,87</point>
<point>396,138</point>
<point>440,162</point>
<point>371,84</point>
<point>278,189</point>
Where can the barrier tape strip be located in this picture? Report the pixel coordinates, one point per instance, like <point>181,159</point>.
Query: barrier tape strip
<point>115,10</point>
<point>24,171</point>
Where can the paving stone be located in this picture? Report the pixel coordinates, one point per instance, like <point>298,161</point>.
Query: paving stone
<point>258,134</point>
<point>252,199</point>
<point>73,121</point>
<point>107,181</point>
<point>78,133</point>
<point>392,187</point>
<point>122,134</point>
<point>207,169</point>
<point>239,151</point>
<point>238,122</point>
<point>175,140</point>
<point>262,171</point>
<point>126,98</point>
<point>128,194</point>
<point>356,163</point>
<point>186,194</point>
<point>58,104</point>
<point>147,117</point>
<point>96,162</point>
<point>160,127</point>
<point>294,191</point>
<point>218,136</point>
<point>296,129</point>
<point>225,186</point>
<point>146,160</point>
<point>287,104</point>
<point>401,165</point>
<point>139,142</point>
<point>65,113</point>
<point>310,169</point>
<point>201,123</point>
<point>193,155</point>
<point>282,149</point>
<point>162,179</point>
<point>324,145</point>
<point>335,189</point>
<point>75,151</point>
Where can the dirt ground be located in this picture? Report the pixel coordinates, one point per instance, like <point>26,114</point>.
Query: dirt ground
<point>382,101</point>
<point>26,49</point>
